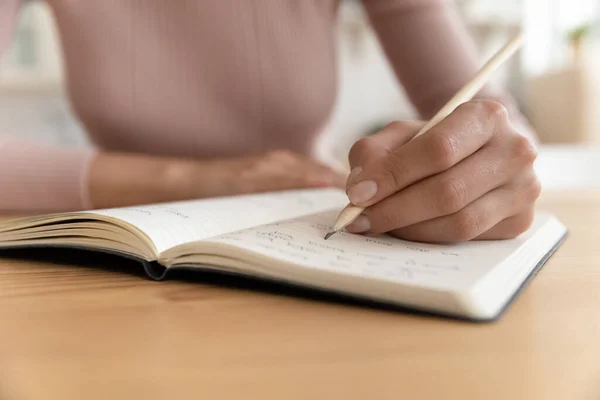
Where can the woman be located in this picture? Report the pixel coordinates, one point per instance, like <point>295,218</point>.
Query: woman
<point>196,98</point>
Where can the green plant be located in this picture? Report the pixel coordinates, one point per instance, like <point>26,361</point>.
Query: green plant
<point>580,32</point>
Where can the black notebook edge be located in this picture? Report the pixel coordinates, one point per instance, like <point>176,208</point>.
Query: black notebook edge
<point>527,281</point>
<point>153,269</point>
<point>158,272</point>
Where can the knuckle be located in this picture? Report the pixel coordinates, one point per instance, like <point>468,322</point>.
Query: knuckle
<point>382,220</point>
<point>396,125</point>
<point>281,155</point>
<point>524,149</point>
<point>534,189</point>
<point>442,150</point>
<point>392,170</point>
<point>520,224</point>
<point>525,221</point>
<point>491,109</point>
<point>360,149</point>
<point>466,226</point>
<point>403,126</point>
<point>495,109</point>
<point>470,107</point>
<point>451,196</point>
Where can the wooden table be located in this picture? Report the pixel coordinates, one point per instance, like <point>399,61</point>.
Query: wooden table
<point>88,332</point>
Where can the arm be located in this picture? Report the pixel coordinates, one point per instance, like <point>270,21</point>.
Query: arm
<point>432,53</point>
<point>42,178</point>
<point>472,175</point>
<point>119,179</point>
<point>126,179</point>
<point>33,176</point>
<point>49,178</point>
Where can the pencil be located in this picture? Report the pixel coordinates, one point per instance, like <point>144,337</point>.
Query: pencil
<point>351,212</point>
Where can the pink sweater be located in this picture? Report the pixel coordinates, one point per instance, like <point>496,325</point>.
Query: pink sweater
<point>198,78</point>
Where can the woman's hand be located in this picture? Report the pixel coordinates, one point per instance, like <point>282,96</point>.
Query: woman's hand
<point>281,170</point>
<point>469,177</point>
<point>118,180</point>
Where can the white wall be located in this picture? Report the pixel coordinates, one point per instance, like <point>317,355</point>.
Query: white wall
<point>547,23</point>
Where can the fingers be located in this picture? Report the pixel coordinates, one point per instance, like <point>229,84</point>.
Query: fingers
<point>308,173</point>
<point>447,192</point>
<point>373,147</point>
<point>285,170</point>
<point>313,174</point>
<point>500,214</point>
<point>461,134</point>
<point>327,178</point>
<point>510,227</point>
<point>471,176</point>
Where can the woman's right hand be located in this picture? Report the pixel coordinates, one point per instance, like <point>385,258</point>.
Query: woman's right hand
<point>118,180</point>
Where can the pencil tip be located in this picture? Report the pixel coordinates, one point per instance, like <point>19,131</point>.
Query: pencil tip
<point>330,234</point>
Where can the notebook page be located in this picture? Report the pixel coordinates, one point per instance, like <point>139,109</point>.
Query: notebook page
<point>171,224</point>
<point>300,241</point>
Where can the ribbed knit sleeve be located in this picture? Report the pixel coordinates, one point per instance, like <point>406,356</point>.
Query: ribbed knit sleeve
<point>43,178</point>
<point>8,12</point>
<point>36,177</point>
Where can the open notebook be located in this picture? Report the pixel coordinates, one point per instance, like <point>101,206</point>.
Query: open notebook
<point>279,236</point>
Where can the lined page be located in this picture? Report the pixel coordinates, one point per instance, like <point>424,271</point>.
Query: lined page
<point>172,224</point>
<point>301,242</point>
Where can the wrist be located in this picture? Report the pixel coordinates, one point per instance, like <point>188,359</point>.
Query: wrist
<point>119,179</point>
<point>190,179</point>
<point>177,178</point>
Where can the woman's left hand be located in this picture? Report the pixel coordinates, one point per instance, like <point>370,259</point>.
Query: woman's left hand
<point>469,177</point>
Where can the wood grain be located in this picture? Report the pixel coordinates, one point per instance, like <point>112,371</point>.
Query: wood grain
<point>75,329</point>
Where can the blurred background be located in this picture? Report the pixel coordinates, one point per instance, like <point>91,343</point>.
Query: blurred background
<point>553,77</point>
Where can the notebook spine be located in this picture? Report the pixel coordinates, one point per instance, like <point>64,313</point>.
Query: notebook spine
<point>154,270</point>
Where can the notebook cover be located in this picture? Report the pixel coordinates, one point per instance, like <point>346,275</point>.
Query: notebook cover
<point>153,269</point>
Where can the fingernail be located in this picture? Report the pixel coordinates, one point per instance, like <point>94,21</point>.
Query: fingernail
<point>353,174</point>
<point>359,225</point>
<point>362,192</point>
